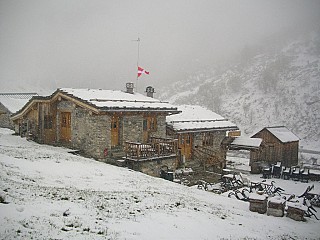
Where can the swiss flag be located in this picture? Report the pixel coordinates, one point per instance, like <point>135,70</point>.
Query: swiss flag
<point>141,70</point>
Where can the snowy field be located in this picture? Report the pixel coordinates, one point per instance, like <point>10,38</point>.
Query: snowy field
<point>52,194</point>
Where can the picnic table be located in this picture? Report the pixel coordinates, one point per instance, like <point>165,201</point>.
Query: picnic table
<point>231,181</point>
<point>266,186</point>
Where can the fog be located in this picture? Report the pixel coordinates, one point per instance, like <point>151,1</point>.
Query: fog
<point>89,43</point>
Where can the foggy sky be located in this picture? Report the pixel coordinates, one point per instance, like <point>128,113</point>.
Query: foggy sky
<point>88,43</point>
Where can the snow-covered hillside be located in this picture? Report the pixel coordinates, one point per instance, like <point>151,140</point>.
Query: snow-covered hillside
<point>278,87</point>
<point>52,194</point>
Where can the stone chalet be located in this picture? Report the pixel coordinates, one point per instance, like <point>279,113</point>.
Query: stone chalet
<point>11,103</point>
<point>203,137</point>
<point>104,124</point>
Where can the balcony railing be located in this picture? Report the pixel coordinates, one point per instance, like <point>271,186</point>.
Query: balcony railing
<point>159,147</point>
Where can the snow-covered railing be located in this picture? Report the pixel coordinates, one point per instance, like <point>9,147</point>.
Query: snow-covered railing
<point>157,148</point>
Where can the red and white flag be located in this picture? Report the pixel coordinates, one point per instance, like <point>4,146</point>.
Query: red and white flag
<point>141,70</point>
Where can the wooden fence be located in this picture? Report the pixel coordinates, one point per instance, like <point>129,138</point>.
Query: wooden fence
<point>158,147</point>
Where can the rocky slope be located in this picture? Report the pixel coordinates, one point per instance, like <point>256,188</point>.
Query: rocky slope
<point>279,86</point>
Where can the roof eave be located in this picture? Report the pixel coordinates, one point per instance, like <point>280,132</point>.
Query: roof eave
<point>125,109</point>
<point>25,108</point>
<point>193,130</point>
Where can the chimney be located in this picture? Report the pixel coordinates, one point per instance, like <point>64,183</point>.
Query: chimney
<point>150,91</point>
<point>130,87</point>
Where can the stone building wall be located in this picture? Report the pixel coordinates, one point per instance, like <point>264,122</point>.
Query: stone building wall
<point>218,137</point>
<point>132,128</point>
<point>5,121</point>
<point>90,133</point>
<point>153,167</point>
<point>161,127</point>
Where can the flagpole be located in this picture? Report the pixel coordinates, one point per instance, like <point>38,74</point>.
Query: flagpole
<point>138,40</point>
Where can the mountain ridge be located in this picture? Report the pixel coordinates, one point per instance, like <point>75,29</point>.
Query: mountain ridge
<point>272,88</point>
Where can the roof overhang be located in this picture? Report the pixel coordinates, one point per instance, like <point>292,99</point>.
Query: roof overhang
<point>245,143</point>
<point>202,130</point>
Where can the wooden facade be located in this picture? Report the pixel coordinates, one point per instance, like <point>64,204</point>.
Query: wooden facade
<point>278,145</point>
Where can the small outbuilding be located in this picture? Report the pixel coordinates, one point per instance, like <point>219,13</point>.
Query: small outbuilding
<point>11,103</point>
<point>279,144</point>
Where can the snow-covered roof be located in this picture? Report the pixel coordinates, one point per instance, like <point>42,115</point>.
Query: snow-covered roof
<point>247,142</point>
<point>194,113</point>
<point>283,134</point>
<point>116,99</point>
<point>15,101</point>
<point>195,118</point>
<point>206,125</point>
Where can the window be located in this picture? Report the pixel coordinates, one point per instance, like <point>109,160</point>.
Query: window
<point>48,122</point>
<point>64,121</point>
<point>207,139</point>
<point>114,123</point>
<point>145,124</point>
<point>150,124</point>
<point>187,138</point>
<point>153,123</point>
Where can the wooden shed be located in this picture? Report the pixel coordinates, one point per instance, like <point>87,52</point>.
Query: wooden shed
<point>279,144</point>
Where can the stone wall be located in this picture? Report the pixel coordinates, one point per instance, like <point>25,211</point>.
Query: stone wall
<point>218,137</point>
<point>161,127</point>
<point>5,121</point>
<point>132,128</point>
<point>152,167</point>
<point>258,203</point>
<point>90,133</point>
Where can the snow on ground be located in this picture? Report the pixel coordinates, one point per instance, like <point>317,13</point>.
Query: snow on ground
<point>52,194</point>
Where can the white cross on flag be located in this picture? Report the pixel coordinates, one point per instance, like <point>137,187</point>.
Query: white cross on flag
<point>141,70</point>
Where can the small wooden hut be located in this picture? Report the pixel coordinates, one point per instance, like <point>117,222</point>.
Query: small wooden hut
<point>279,145</point>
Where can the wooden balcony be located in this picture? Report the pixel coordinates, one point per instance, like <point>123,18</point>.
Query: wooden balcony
<point>157,148</point>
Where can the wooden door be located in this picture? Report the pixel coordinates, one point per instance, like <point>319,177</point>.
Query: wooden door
<point>149,125</point>
<point>65,134</point>
<point>185,143</point>
<point>145,130</point>
<point>114,131</point>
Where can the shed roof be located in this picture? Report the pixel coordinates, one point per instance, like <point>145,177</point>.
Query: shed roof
<point>246,142</point>
<point>15,101</point>
<point>283,134</point>
<point>196,118</point>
